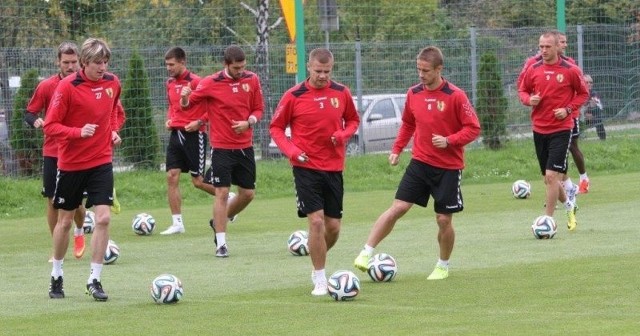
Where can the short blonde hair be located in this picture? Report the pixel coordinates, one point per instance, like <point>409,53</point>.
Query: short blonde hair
<point>94,50</point>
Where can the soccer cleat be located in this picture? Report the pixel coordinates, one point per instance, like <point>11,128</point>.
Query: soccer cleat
<point>571,219</point>
<point>362,261</point>
<point>115,208</point>
<point>320,288</point>
<point>78,246</point>
<point>55,289</point>
<point>95,290</point>
<point>222,251</point>
<point>439,273</point>
<point>584,186</point>
<point>173,229</point>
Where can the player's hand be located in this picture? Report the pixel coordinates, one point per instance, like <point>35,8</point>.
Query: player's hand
<point>239,126</point>
<point>535,99</point>
<point>561,113</point>
<point>303,158</point>
<point>439,141</point>
<point>394,159</point>
<point>186,91</point>
<point>167,124</point>
<point>115,138</point>
<point>192,126</point>
<point>38,123</point>
<point>88,130</point>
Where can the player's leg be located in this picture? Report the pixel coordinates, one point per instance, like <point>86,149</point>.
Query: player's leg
<point>100,194</point>
<point>67,197</point>
<point>448,200</point>
<point>196,154</point>
<point>222,163</point>
<point>556,166</point>
<point>318,251</point>
<point>78,232</point>
<point>578,159</point>
<point>244,176</point>
<point>175,164</point>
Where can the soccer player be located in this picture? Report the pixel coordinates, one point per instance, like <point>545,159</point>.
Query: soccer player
<point>441,120</point>
<point>235,105</point>
<point>554,89</point>
<point>570,188</point>
<point>67,62</point>
<point>576,153</point>
<point>186,151</point>
<point>83,118</point>
<point>322,118</point>
<point>593,112</point>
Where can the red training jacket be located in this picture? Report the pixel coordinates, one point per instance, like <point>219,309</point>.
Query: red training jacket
<point>40,102</point>
<point>180,117</point>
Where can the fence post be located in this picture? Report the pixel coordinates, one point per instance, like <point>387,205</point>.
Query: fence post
<point>359,90</point>
<point>474,63</point>
<point>580,30</point>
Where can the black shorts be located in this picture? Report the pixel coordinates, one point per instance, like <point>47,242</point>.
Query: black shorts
<point>421,180</point>
<point>49,172</point>
<point>233,166</point>
<point>552,150</point>
<point>317,190</point>
<point>97,181</point>
<point>187,151</point>
<point>575,131</point>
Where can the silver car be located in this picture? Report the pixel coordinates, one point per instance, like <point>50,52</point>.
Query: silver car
<point>380,119</point>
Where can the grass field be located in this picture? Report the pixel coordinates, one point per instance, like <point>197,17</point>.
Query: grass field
<point>502,280</point>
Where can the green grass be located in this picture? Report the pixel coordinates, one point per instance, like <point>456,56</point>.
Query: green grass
<point>503,281</point>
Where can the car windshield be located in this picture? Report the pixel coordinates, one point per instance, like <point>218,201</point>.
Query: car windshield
<point>365,103</point>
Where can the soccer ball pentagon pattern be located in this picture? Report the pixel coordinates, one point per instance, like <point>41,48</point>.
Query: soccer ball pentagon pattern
<point>112,253</point>
<point>89,222</point>
<point>382,268</point>
<point>298,243</point>
<point>343,286</point>
<point>143,224</point>
<point>544,227</point>
<point>521,189</point>
<point>166,288</point>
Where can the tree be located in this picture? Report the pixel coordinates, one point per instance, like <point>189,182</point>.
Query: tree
<point>492,103</point>
<point>25,140</point>
<point>139,135</point>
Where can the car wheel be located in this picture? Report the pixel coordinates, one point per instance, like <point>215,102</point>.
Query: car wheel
<point>353,148</point>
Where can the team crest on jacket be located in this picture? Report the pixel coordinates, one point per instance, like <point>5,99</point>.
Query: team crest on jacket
<point>246,87</point>
<point>440,105</point>
<point>335,102</point>
<point>109,92</point>
<point>559,78</point>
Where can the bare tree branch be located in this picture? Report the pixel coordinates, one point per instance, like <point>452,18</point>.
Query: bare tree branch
<point>235,33</point>
<point>247,7</point>
<point>275,24</point>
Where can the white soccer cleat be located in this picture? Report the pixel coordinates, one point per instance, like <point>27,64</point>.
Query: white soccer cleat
<point>173,229</point>
<point>320,289</point>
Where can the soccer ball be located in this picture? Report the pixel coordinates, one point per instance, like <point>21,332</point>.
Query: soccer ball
<point>521,189</point>
<point>143,224</point>
<point>298,243</point>
<point>89,222</point>
<point>343,286</point>
<point>544,227</point>
<point>166,288</point>
<point>382,267</point>
<point>112,253</point>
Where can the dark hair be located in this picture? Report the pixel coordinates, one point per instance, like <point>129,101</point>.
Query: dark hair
<point>233,54</point>
<point>177,53</point>
<point>67,48</point>
<point>431,54</point>
<point>322,55</point>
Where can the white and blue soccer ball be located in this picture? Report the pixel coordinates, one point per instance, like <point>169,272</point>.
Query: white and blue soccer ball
<point>382,268</point>
<point>343,286</point>
<point>298,243</point>
<point>166,288</point>
<point>544,227</point>
<point>89,222</point>
<point>521,189</point>
<point>143,224</point>
<point>112,253</point>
